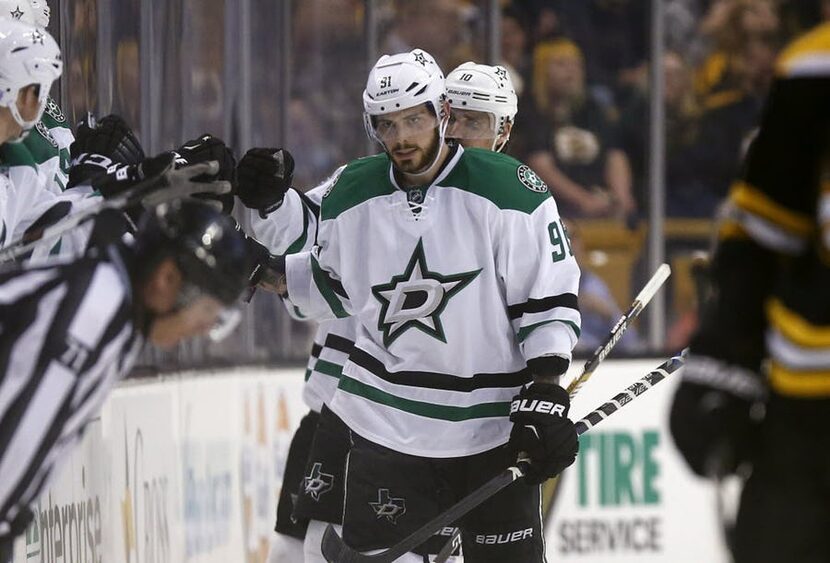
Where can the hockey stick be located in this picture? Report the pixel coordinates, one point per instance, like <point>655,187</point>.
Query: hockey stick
<point>162,188</point>
<point>335,549</point>
<point>643,298</point>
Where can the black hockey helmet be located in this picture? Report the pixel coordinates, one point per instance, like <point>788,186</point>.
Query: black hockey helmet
<point>206,245</point>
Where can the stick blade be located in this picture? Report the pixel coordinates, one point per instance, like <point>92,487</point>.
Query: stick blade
<point>335,549</point>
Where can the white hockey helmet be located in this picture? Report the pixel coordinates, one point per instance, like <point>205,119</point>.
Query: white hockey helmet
<point>32,12</point>
<point>28,55</point>
<point>402,81</point>
<point>484,88</point>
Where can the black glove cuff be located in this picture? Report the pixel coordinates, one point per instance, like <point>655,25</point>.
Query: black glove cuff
<point>731,378</point>
<point>548,365</point>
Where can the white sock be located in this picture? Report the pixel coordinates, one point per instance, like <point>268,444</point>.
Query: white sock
<point>285,549</point>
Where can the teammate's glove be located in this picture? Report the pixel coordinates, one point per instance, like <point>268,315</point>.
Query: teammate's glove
<point>712,418</point>
<point>206,148</point>
<point>115,179</point>
<point>268,269</point>
<point>264,177</point>
<point>542,430</point>
<point>100,144</point>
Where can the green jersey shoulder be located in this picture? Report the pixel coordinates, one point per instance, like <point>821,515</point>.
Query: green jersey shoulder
<point>16,154</point>
<point>44,141</point>
<point>361,180</point>
<point>499,178</point>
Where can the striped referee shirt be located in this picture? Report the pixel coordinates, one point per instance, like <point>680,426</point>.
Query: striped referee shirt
<point>67,335</point>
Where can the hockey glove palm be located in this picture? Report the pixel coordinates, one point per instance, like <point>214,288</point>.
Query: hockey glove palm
<point>204,149</point>
<point>100,144</point>
<point>542,430</point>
<point>712,418</point>
<point>265,174</point>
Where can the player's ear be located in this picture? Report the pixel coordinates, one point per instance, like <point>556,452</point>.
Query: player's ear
<point>161,289</point>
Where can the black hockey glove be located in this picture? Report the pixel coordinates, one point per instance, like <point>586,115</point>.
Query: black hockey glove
<point>115,179</point>
<point>542,430</point>
<point>100,144</point>
<point>264,177</point>
<point>712,417</point>
<point>206,148</point>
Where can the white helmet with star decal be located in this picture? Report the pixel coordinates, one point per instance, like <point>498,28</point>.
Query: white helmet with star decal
<point>32,12</point>
<point>28,55</point>
<point>486,89</point>
<point>403,81</point>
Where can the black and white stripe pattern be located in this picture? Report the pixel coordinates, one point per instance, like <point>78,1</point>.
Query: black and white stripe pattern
<point>66,337</point>
<point>629,394</point>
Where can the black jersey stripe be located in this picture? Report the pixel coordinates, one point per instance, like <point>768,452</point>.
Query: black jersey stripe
<point>442,381</point>
<point>568,300</point>
<point>339,343</point>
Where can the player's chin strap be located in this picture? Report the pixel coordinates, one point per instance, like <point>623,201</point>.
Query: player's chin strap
<point>25,125</point>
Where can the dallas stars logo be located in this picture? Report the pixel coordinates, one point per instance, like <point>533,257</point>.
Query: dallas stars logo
<point>317,483</point>
<point>37,37</point>
<point>501,72</point>
<point>388,507</point>
<point>17,13</point>
<point>416,298</point>
<point>420,58</point>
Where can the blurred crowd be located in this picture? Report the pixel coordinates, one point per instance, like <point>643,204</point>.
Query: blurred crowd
<point>581,71</point>
<point>584,106</point>
<point>580,67</point>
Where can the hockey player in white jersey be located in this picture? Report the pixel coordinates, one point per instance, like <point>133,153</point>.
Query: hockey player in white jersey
<point>465,290</point>
<point>45,150</point>
<point>285,220</point>
<point>29,63</point>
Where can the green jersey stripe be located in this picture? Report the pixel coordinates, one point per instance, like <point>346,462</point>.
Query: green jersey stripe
<point>525,331</point>
<point>420,408</point>
<point>329,368</point>
<point>298,244</point>
<point>321,281</point>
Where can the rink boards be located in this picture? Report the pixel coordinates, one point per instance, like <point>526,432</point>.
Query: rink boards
<point>188,468</point>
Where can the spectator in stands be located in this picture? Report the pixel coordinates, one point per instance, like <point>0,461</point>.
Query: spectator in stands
<point>436,26</point>
<point>732,25</point>
<point>515,47</point>
<point>686,193</point>
<point>574,146</point>
<point>597,306</point>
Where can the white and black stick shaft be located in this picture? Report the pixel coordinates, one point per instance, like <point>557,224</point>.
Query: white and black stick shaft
<point>629,394</point>
<point>335,549</point>
<point>639,303</point>
<point>150,192</point>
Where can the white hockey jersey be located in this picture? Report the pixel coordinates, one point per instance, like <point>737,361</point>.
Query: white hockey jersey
<point>452,300</point>
<point>292,228</point>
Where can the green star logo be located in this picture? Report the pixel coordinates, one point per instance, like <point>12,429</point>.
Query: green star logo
<point>416,298</point>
